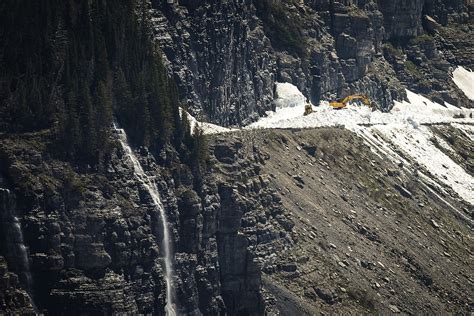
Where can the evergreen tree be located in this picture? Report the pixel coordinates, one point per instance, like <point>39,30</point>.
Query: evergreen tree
<point>123,99</point>
<point>89,146</point>
<point>142,124</point>
<point>105,115</point>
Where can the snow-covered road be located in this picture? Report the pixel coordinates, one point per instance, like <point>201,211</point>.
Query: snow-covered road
<point>417,110</point>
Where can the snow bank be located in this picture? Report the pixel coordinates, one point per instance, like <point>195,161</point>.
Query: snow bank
<point>418,110</point>
<point>208,128</point>
<point>401,135</point>
<point>288,96</point>
<point>289,105</point>
<point>416,143</point>
<point>464,79</point>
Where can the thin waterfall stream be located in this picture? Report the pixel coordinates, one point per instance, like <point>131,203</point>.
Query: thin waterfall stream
<point>152,189</point>
<point>16,246</point>
<point>22,254</point>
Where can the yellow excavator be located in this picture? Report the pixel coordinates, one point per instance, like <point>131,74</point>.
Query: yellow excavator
<point>354,97</point>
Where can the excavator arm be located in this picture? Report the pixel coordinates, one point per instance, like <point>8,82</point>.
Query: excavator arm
<point>360,97</point>
<point>343,103</point>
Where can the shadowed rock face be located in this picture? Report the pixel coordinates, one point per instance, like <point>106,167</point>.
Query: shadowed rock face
<point>402,18</point>
<point>12,296</point>
<point>219,56</point>
<point>15,280</point>
<point>446,11</point>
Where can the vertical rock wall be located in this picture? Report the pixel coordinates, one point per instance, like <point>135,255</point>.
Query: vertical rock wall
<point>402,18</point>
<point>219,56</point>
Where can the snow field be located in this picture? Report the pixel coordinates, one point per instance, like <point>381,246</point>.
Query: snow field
<point>464,79</point>
<point>208,128</point>
<point>416,144</point>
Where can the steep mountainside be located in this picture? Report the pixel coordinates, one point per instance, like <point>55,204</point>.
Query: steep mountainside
<point>370,236</point>
<point>114,201</point>
<point>315,217</point>
<point>225,56</point>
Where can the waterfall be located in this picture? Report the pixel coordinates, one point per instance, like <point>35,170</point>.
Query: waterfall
<point>152,189</point>
<point>22,254</point>
<point>17,251</point>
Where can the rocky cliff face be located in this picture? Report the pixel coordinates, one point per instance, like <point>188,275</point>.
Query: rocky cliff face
<point>402,18</point>
<point>219,56</point>
<point>93,239</point>
<point>226,62</point>
<point>13,298</point>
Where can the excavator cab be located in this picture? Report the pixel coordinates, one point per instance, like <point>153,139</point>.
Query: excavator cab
<point>337,105</point>
<point>308,108</point>
<point>355,97</point>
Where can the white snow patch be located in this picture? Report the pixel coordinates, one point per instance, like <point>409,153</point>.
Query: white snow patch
<point>288,96</point>
<point>385,149</point>
<point>289,105</point>
<point>400,135</point>
<point>207,128</point>
<point>415,142</point>
<point>464,79</point>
